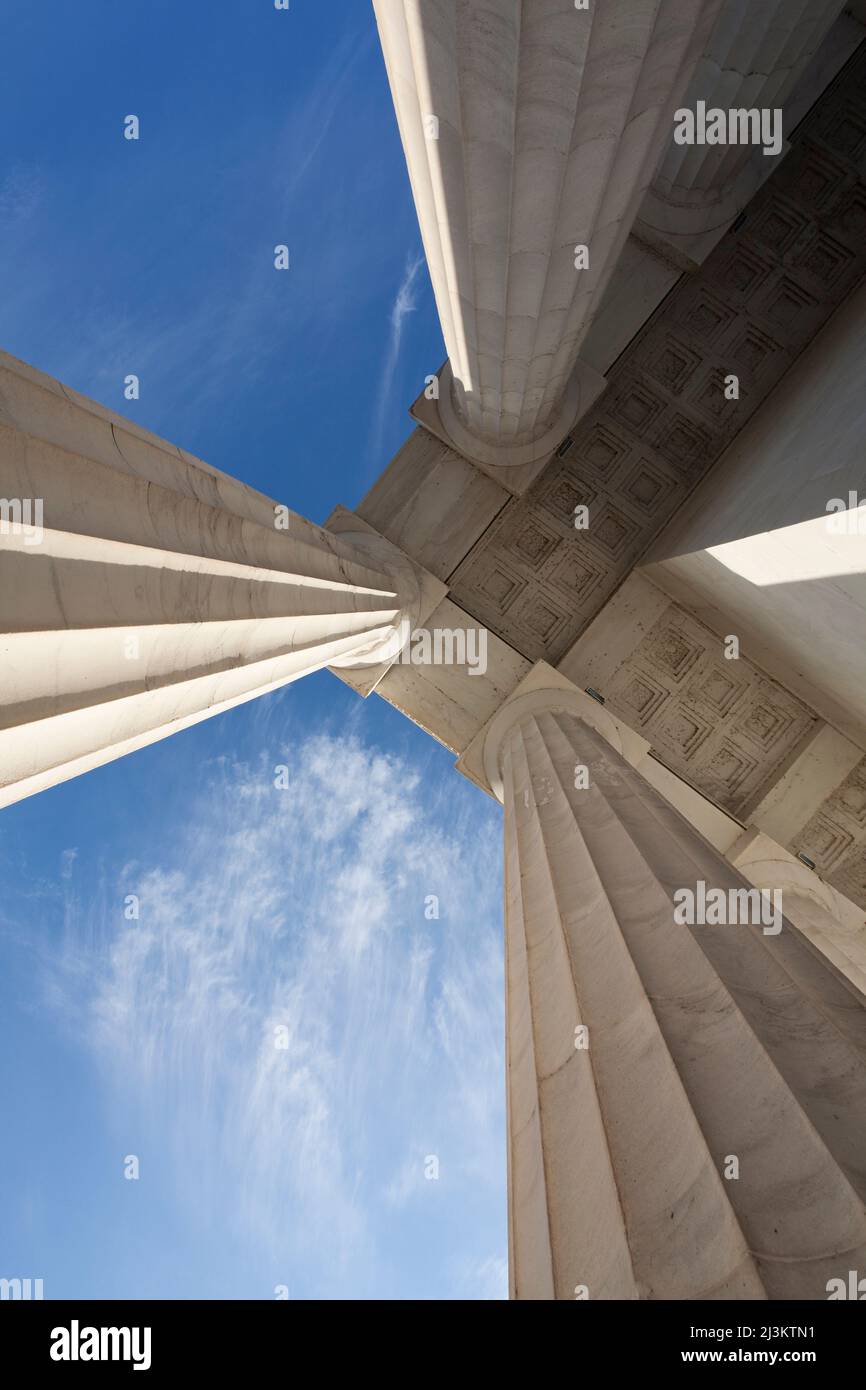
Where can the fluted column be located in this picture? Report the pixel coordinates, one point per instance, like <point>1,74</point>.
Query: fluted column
<point>756,56</point>
<point>530,128</point>
<point>142,591</point>
<point>703,1045</point>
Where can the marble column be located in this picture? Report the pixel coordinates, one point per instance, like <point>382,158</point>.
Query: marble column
<point>142,590</point>
<point>531,128</point>
<point>829,920</point>
<point>755,60</point>
<point>686,1103</point>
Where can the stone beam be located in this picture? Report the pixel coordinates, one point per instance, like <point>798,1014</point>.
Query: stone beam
<point>531,128</point>
<point>142,590</point>
<point>686,1102</point>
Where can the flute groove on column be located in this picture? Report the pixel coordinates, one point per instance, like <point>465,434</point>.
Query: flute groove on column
<point>142,591</point>
<point>704,1043</point>
<point>530,128</point>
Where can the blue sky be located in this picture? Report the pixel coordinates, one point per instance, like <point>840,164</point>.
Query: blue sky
<point>260,908</point>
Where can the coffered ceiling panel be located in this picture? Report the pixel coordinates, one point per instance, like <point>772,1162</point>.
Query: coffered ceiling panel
<point>835,837</point>
<point>719,722</point>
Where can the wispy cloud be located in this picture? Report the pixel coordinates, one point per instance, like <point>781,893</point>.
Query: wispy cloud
<point>217,311</point>
<point>67,859</point>
<point>405,303</point>
<point>305,1032</point>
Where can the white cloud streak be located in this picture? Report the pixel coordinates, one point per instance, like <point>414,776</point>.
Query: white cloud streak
<point>189,350</point>
<point>405,303</point>
<point>303,909</point>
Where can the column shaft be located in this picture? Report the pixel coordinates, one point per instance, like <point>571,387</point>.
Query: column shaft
<point>706,1044</point>
<point>530,127</point>
<point>754,60</point>
<point>142,591</point>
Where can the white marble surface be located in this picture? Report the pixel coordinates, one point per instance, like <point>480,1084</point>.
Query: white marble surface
<point>550,122</point>
<point>160,591</point>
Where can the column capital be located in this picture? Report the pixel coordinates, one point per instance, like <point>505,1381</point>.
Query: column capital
<point>544,688</point>
<point>770,60</point>
<point>512,463</point>
<point>420,594</point>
